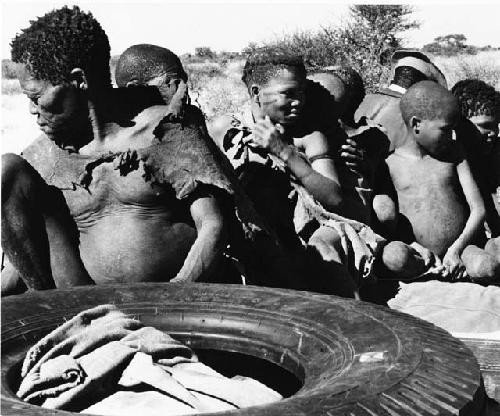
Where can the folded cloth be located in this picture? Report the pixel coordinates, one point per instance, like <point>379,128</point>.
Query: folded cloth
<point>103,362</point>
<point>56,376</point>
<point>361,245</point>
<point>460,308</point>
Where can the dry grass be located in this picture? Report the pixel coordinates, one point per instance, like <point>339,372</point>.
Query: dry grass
<point>484,66</point>
<point>217,91</point>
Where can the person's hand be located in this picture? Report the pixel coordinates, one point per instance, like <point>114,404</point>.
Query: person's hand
<point>430,259</point>
<point>453,264</point>
<point>354,157</point>
<point>268,136</point>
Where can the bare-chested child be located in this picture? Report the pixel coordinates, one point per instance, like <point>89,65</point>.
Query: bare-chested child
<point>284,154</point>
<point>110,192</point>
<point>478,133</point>
<point>436,191</point>
<point>152,65</point>
<point>365,150</point>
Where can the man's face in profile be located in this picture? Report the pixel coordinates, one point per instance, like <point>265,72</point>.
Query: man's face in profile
<point>59,109</point>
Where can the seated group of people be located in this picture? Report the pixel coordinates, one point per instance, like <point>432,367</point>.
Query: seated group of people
<point>312,186</point>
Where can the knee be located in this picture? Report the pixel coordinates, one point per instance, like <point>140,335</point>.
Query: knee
<point>397,256</point>
<point>328,244</point>
<point>480,264</point>
<point>493,247</point>
<point>18,176</point>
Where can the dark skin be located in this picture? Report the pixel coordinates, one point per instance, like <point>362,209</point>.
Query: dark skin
<point>277,108</point>
<point>446,196</point>
<point>128,230</point>
<point>364,156</point>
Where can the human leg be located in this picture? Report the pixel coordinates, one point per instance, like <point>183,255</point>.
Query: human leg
<point>481,265</point>
<point>38,235</point>
<point>328,271</point>
<point>400,261</point>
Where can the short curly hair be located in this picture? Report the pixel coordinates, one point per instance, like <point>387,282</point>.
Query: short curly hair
<point>61,40</point>
<point>477,98</point>
<point>144,62</point>
<point>428,100</point>
<point>263,64</point>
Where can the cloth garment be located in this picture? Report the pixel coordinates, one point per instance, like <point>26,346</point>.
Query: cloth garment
<point>104,362</point>
<point>382,107</point>
<point>181,156</point>
<point>359,242</point>
<point>467,310</point>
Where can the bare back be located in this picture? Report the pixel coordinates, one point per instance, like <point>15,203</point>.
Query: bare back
<point>431,198</point>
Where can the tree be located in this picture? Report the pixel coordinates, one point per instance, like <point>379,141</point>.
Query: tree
<point>366,42</point>
<point>449,45</point>
<point>204,52</point>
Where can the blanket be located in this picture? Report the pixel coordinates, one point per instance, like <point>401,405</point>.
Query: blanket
<point>104,362</point>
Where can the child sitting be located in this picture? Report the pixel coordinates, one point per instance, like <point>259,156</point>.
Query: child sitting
<point>151,65</point>
<point>478,133</point>
<point>436,192</point>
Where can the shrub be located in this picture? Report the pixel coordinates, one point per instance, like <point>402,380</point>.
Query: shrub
<point>9,69</point>
<point>365,43</point>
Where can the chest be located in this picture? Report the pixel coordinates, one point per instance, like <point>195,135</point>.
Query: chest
<point>107,189</point>
<point>422,176</point>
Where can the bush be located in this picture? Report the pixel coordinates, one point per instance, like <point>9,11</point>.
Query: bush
<point>9,69</point>
<point>450,45</point>
<point>365,44</point>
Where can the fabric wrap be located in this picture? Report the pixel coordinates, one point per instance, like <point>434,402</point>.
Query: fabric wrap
<point>360,243</point>
<point>103,362</point>
<point>181,155</point>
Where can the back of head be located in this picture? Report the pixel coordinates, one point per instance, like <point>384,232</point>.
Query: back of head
<point>264,64</point>
<point>141,63</point>
<point>60,41</point>
<point>411,66</point>
<point>477,98</point>
<point>406,76</point>
<point>346,84</point>
<point>427,100</point>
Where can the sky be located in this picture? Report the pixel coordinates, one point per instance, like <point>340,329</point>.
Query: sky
<point>231,25</point>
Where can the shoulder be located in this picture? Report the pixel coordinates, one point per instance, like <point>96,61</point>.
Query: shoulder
<point>315,144</point>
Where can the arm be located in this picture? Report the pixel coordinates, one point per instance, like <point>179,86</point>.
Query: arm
<point>210,242</point>
<point>451,259</point>
<point>476,206</point>
<point>319,178</point>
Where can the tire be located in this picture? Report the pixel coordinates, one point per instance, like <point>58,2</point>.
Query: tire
<point>352,358</point>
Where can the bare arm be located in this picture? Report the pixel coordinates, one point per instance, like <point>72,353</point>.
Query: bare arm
<point>476,206</point>
<point>210,242</point>
<point>319,178</point>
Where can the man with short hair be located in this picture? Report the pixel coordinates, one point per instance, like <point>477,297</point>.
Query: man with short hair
<point>408,68</point>
<point>111,192</point>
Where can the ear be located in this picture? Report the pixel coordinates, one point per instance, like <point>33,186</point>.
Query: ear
<point>78,79</point>
<point>415,124</point>
<point>132,83</point>
<point>254,93</point>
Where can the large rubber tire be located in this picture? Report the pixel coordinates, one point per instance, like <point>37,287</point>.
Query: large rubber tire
<point>353,358</point>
